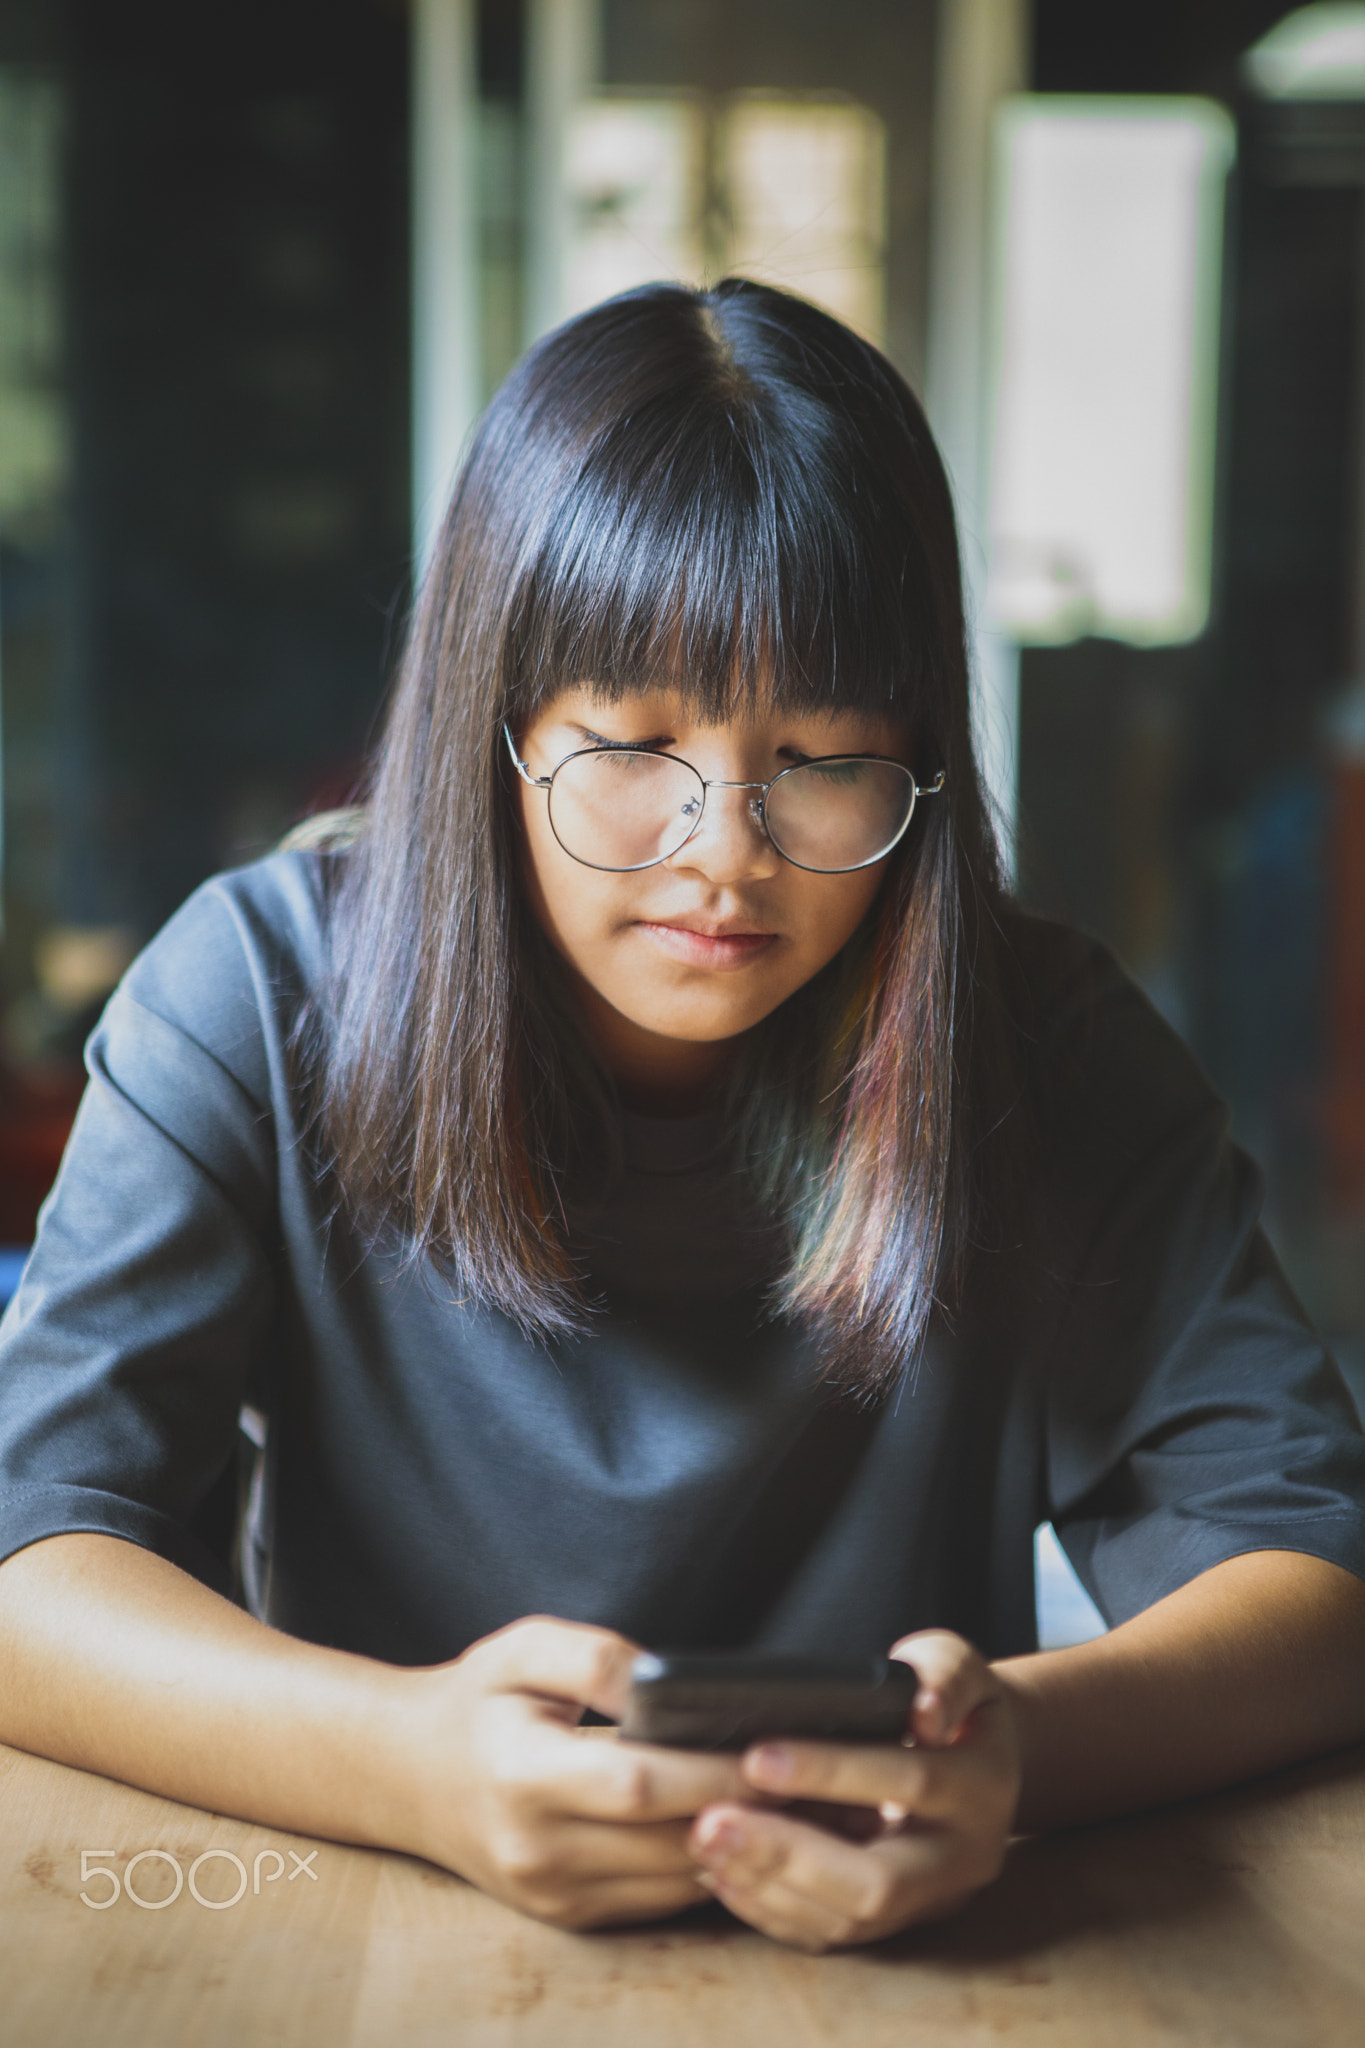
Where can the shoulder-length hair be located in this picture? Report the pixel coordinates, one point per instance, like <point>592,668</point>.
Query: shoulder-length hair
<point>727,491</point>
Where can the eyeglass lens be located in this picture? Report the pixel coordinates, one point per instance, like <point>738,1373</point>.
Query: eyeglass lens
<point>621,809</point>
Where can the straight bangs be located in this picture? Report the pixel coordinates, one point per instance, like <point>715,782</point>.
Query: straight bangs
<point>729,494</point>
<point>723,549</point>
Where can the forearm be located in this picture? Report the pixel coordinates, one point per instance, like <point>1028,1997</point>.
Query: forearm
<point>114,1660</point>
<point>1253,1665</point>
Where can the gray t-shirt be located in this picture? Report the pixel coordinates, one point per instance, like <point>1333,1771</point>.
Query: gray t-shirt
<point>1134,1368</point>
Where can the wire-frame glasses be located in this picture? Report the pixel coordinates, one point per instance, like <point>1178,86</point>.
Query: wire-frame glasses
<point>622,808</point>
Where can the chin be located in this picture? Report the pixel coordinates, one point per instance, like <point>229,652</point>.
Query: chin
<point>706,1029</point>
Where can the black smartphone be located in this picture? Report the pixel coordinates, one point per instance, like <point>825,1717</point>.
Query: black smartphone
<point>728,1700</point>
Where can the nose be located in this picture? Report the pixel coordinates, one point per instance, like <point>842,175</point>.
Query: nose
<point>730,844</point>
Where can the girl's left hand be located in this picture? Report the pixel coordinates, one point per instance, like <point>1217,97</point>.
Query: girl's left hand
<point>937,1815</point>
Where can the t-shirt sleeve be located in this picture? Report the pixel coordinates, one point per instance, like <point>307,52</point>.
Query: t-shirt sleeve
<point>1192,1412</point>
<point>127,1351</point>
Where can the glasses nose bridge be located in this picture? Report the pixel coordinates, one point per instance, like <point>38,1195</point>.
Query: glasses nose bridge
<point>755,803</point>
<point>753,808</point>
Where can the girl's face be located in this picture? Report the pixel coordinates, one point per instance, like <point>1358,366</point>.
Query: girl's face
<point>672,962</point>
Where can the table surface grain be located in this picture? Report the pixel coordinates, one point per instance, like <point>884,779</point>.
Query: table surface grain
<point>1237,1921</point>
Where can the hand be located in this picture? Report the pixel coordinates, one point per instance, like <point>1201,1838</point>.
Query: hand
<point>938,1815</point>
<point>566,1823</point>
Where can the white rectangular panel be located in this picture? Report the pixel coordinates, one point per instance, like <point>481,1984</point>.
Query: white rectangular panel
<point>1108,269</point>
<point>633,174</point>
<point>806,186</point>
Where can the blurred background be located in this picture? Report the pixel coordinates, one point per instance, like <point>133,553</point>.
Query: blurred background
<point>260,267</point>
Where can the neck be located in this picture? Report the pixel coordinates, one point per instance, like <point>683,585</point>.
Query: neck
<point>654,1075</point>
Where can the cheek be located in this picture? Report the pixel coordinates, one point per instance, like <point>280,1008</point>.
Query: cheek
<point>573,905</point>
<point>831,909</point>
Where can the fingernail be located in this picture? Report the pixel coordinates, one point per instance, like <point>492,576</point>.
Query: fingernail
<point>719,1836</point>
<point>929,1713</point>
<point>774,1762</point>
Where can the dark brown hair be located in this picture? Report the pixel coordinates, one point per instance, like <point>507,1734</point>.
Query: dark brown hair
<point>725,490</point>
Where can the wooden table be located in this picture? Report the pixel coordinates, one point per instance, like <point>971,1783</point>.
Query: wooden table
<point>1238,1921</point>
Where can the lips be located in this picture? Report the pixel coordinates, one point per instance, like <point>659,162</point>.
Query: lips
<point>698,945</point>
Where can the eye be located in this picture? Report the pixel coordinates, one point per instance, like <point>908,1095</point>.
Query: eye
<point>606,746</point>
<point>841,772</point>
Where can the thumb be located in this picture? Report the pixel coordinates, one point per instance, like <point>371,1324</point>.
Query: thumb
<point>558,1660</point>
<point>953,1682</point>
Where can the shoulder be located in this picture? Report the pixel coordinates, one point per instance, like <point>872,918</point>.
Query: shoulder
<point>232,969</point>
<point>269,917</point>
<point>1107,1079</point>
<point>1083,1019</point>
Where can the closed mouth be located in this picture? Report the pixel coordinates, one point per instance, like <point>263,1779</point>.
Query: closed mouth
<point>707,946</point>
<point>710,931</point>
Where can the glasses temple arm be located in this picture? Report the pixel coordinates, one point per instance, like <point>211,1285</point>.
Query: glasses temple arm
<point>536,781</point>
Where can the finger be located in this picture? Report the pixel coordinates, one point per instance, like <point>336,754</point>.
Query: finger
<point>638,1782</point>
<point>923,1782</point>
<point>783,1915</point>
<point>561,1660</point>
<point>574,1771</point>
<point>953,1681</point>
<point>596,1851</point>
<point>750,1851</point>
<point>805,1921</point>
<point>620,1902</point>
<point>552,1870</point>
<point>808,1893</point>
<point>792,1917</point>
<point>801,1883</point>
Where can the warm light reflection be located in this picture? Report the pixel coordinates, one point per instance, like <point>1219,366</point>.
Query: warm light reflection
<point>805,184</point>
<point>635,171</point>
<point>789,191</point>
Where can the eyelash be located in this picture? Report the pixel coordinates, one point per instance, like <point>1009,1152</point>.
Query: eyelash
<point>656,746</point>
<point>623,746</point>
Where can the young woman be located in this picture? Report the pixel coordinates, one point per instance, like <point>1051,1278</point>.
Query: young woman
<point>643,1175</point>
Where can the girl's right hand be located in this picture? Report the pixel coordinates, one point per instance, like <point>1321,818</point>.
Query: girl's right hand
<point>567,1823</point>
